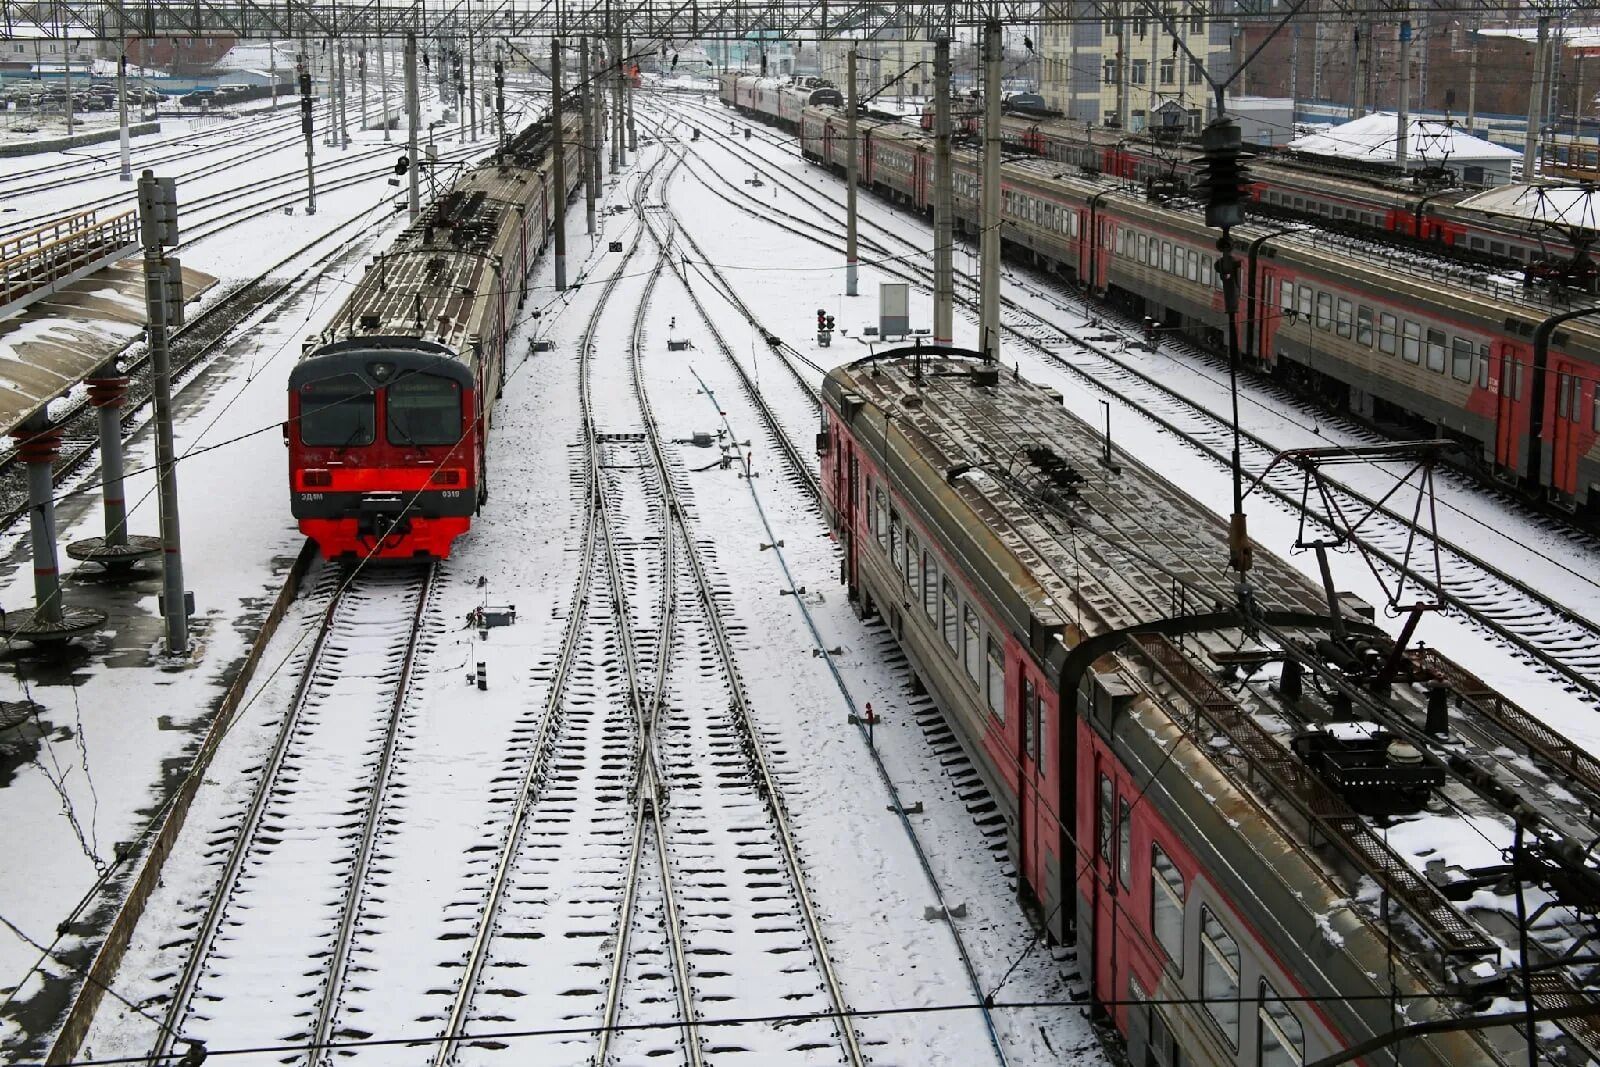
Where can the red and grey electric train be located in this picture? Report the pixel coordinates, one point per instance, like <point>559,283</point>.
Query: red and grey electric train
<point>1413,342</point>
<point>1270,835</point>
<point>390,407</point>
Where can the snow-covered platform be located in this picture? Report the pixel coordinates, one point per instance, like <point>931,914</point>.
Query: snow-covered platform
<point>53,345</point>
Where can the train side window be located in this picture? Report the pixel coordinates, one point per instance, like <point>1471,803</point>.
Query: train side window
<point>1342,317</point>
<point>971,643</point>
<point>1286,295</point>
<point>913,562</point>
<point>1194,266</point>
<point>1436,350</point>
<point>882,527</point>
<point>1144,249</point>
<point>1104,816</point>
<point>1411,347</point>
<point>1124,841</point>
<point>1497,248</point>
<point>1219,975</point>
<point>1577,397</point>
<point>1305,303</point>
<point>1166,256</point>
<point>1030,720</point>
<point>1461,359</point>
<point>930,587</point>
<point>1483,366</point>
<point>1387,324</point>
<point>950,625</point>
<point>897,557</point>
<point>1122,241</point>
<point>995,683</point>
<point>1166,905</point>
<point>1324,311</point>
<point>337,412</point>
<point>1363,326</point>
<point>1281,1040</point>
<point>1205,268</point>
<point>1516,379</point>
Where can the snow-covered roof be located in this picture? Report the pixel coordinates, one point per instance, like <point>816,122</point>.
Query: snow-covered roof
<point>1562,205</point>
<point>1372,138</point>
<point>1585,37</point>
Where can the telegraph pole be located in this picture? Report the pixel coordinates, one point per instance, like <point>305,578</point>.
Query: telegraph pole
<point>414,200</point>
<point>850,173</point>
<point>1402,130</point>
<point>612,118</point>
<point>560,147</point>
<point>591,149</point>
<point>500,97</point>
<point>305,128</point>
<point>158,227</point>
<point>633,135</point>
<point>344,103</point>
<point>943,200</point>
<point>989,218</point>
<point>361,72</point>
<point>472,75</point>
<point>383,84</point>
<point>126,173</point>
<point>1537,95</point>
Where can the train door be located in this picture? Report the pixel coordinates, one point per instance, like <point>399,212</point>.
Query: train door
<point>1506,389</point>
<point>850,502</point>
<point>1564,428</point>
<point>1085,244</point>
<point>919,179</point>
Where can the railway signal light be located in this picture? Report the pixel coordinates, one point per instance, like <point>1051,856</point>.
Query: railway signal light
<point>824,327</point>
<point>158,212</point>
<point>173,291</point>
<point>1223,176</point>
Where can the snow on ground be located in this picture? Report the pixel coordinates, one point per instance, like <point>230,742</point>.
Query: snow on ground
<point>98,761</point>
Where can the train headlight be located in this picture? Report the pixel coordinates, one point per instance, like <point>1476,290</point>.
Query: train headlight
<point>316,479</point>
<point>451,476</point>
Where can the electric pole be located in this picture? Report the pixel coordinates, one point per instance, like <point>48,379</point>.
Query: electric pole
<point>414,199</point>
<point>943,200</point>
<point>1537,95</point>
<point>590,128</point>
<point>989,239</point>
<point>126,174</point>
<point>850,173</point>
<point>559,146</point>
<point>1402,131</point>
<point>305,128</point>
<point>158,228</point>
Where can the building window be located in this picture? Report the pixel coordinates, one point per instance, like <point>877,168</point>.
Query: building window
<point>971,643</point>
<point>1124,841</point>
<point>1411,346</point>
<point>1282,1040</point>
<point>952,628</point>
<point>1436,350</point>
<point>1219,975</point>
<point>1111,76</point>
<point>1141,71</point>
<point>1197,20</point>
<point>1169,71</point>
<point>1166,903</point>
<point>997,679</point>
<point>1461,359</point>
<point>1197,73</point>
<point>930,587</point>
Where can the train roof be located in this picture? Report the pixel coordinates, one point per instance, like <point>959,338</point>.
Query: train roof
<point>1106,569</point>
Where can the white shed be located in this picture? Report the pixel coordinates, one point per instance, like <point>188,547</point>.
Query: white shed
<point>1432,143</point>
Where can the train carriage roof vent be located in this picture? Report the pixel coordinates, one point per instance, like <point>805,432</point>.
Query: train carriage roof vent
<point>986,376</point>
<point>1058,471</point>
<point>370,321</point>
<point>1376,772</point>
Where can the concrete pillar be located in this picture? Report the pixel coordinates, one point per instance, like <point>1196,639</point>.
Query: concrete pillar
<point>1538,93</point>
<point>1402,121</point>
<point>943,200</point>
<point>39,443</point>
<point>559,166</point>
<point>851,136</point>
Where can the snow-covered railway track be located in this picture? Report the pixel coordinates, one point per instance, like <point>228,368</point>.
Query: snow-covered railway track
<point>277,928</point>
<point>1558,640</point>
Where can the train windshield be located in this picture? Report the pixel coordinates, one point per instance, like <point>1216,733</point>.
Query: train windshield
<point>337,412</point>
<point>423,410</point>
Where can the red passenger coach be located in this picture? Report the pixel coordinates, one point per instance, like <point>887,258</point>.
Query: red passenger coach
<point>391,407</point>
<point>1228,805</point>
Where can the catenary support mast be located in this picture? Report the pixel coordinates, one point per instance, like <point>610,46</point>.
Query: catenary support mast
<point>943,200</point>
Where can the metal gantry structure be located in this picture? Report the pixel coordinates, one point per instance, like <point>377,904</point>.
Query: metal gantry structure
<point>649,20</point>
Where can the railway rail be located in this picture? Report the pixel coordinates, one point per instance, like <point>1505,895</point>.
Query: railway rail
<point>1558,639</point>
<point>350,698</point>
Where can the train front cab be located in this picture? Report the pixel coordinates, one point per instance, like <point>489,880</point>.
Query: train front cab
<point>384,453</point>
